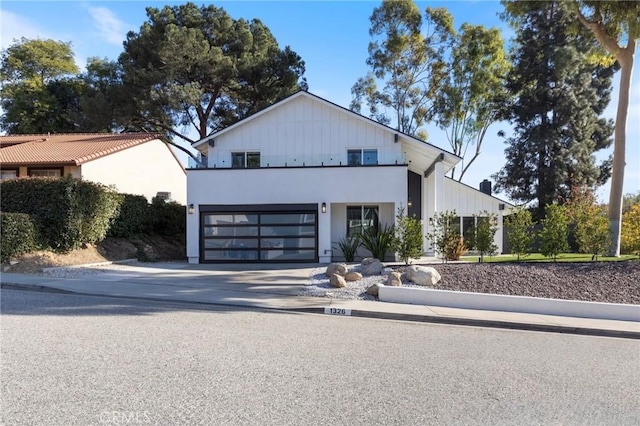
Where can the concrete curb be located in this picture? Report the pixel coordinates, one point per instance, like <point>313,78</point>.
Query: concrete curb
<point>89,265</point>
<point>507,303</point>
<point>548,328</point>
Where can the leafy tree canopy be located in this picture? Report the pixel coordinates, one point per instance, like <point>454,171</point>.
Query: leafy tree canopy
<point>559,98</point>
<point>196,67</point>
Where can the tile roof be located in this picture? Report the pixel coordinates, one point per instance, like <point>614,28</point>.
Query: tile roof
<point>69,148</point>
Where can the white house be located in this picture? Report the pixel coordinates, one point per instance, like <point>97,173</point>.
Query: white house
<point>287,183</point>
<point>133,163</point>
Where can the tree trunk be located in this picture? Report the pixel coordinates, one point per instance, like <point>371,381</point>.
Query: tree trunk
<point>625,58</point>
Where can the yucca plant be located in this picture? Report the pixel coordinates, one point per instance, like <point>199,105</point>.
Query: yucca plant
<point>377,240</point>
<point>349,246</point>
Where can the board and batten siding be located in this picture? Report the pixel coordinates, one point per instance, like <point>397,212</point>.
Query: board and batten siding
<point>467,201</point>
<point>305,131</point>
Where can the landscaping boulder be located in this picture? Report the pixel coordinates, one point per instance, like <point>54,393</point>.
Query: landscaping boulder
<point>371,266</point>
<point>422,275</point>
<point>337,281</point>
<point>373,289</point>
<point>394,279</point>
<point>353,276</point>
<point>336,268</point>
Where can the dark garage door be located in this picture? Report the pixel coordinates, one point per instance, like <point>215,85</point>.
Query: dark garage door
<point>272,233</point>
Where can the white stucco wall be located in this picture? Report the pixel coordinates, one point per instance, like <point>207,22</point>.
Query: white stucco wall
<point>304,130</point>
<point>144,169</point>
<point>334,186</point>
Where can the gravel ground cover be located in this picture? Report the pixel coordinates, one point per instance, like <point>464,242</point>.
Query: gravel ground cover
<point>612,282</point>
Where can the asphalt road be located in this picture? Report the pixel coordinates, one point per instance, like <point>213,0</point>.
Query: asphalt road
<point>77,360</point>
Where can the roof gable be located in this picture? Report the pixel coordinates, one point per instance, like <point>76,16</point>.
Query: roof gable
<point>69,149</point>
<point>408,138</point>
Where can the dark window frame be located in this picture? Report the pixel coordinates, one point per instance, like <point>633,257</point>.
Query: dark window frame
<point>362,217</point>
<point>247,161</point>
<point>11,169</point>
<point>358,156</point>
<point>30,170</point>
<point>268,210</point>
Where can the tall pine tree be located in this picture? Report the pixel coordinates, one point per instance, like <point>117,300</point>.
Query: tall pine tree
<point>559,97</point>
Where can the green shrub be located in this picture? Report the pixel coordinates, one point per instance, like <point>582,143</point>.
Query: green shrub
<point>17,235</point>
<point>407,241</point>
<point>168,218</point>
<point>455,247</point>
<point>377,240</point>
<point>67,212</point>
<point>349,247</point>
<point>485,231</point>
<point>555,230</point>
<point>445,236</point>
<point>133,217</point>
<point>630,233</point>
<point>520,232</point>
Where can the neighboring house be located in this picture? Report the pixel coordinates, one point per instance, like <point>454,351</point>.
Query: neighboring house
<point>134,163</point>
<point>287,183</point>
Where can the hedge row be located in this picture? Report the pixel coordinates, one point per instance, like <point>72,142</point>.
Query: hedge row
<point>18,235</point>
<point>67,213</point>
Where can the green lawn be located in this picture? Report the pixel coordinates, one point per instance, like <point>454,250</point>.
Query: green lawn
<point>537,257</point>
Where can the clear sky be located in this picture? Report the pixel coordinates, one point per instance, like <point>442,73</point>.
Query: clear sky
<point>330,36</point>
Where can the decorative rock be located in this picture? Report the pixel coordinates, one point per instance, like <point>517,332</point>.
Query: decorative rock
<point>371,266</point>
<point>337,281</point>
<point>423,275</point>
<point>394,279</point>
<point>353,276</point>
<point>373,289</point>
<point>336,268</point>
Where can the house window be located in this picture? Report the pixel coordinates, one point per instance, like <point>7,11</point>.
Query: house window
<point>242,160</point>
<point>8,174</point>
<point>358,157</point>
<point>46,172</point>
<point>361,218</point>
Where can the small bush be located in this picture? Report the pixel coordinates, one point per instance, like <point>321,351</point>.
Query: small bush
<point>17,235</point>
<point>630,232</point>
<point>133,217</point>
<point>377,240</point>
<point>168,218</point>
<point>555,229</point>
<point>445,236</point>
<point>407,241</point>
<point>455,247</point>
<point>485,232</point>
<point>349,247</point>
<point>520,232</point>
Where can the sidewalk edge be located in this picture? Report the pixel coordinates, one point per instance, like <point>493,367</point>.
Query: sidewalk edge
<point>549,328</point>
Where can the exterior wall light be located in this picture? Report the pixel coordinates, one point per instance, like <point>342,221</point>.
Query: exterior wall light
<point>494,221</point>
<point>409,204</point>
<point>192,209</point>
<point>324,207</point>
<point>430,221</point>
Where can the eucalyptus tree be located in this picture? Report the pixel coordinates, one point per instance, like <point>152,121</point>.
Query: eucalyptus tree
<point>472,96</point>
<point>616,26</point>
<point>404,64</point>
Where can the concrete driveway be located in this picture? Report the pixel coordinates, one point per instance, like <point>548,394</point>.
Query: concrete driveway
<point>260,285</point>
